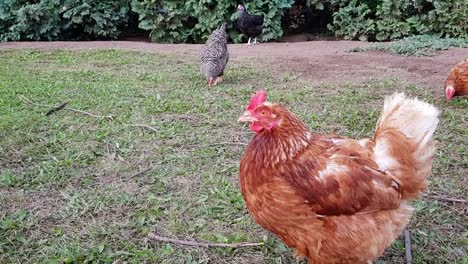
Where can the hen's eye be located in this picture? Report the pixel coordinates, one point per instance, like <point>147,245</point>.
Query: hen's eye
<point>263,113</point>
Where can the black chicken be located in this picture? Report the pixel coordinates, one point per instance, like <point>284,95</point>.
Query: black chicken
<point>249,25</point>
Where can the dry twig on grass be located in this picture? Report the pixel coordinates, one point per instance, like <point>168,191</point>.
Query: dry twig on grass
<point>140,172</point>
<point>192,243</point>
<point>143,125</point>
<point>408,257</point>
<point>62,107</point>
<point>447,199</point>
<point>231,143</point>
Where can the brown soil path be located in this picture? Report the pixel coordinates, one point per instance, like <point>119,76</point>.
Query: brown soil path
<point>321,61</point>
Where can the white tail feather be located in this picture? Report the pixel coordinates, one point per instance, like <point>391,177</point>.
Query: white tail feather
<point>416,119</point>
<point>403,141</point>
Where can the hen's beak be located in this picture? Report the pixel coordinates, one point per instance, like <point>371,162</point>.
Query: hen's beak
<point>449,92</point>
<point>245,117</point>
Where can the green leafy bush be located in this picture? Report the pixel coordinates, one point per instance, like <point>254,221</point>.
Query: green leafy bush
<point>353,21</point>
<point>391,16</point>
<point>62,19</point>
<point>8,11</point>
<point>95,19</point>
<point>394,19</point>
<point>193,21</point>
<point>20,20</point>
<point>449,18</point>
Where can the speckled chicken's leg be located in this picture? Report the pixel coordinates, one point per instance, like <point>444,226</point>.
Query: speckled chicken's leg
<point>255,40</point>
<point>248,42</point>
<point>219,79</point>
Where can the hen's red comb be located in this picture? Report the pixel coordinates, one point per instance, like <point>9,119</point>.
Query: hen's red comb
<point>257,99</point>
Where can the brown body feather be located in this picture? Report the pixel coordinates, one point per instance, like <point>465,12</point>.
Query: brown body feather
<point>326,196</point>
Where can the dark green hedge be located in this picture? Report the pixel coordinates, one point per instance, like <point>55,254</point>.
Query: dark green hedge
<point>393,19</point>
<point>192,21</point>
<point>62,19</point>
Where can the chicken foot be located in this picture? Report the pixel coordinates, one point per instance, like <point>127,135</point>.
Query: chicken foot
<point>252,43</point>
<point>219,79</point>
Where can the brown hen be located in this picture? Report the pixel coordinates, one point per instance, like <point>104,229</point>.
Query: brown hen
<point>457,81</point>
<point>335,199</point>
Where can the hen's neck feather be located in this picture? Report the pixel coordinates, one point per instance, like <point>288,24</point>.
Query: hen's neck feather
<point>282,142</point>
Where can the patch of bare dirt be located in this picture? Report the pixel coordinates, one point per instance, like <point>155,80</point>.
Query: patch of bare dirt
<point>41,203</point>
<point>320,61</point>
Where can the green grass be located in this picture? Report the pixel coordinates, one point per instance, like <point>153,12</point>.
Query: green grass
<point>70,191</point>
<point>420,45</point>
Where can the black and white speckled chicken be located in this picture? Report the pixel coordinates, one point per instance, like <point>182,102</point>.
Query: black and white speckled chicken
<point>214,56</point>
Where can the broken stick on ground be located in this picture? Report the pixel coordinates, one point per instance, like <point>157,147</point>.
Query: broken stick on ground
<point>447,199</point>
<point>192,243</point>
<point>408,257</point>
<point>143,125</point>
<point>63,107</point>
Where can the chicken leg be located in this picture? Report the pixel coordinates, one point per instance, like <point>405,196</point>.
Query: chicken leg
<point>255,40</point>
<point>248,42</point>
<point>218,80</point>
